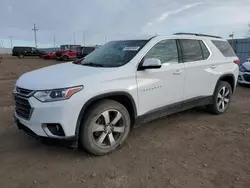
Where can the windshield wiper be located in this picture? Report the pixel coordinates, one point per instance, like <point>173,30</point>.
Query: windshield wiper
<point>93,64</point>
<point>78,61</point>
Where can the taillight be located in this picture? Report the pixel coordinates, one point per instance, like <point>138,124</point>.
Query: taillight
<point>237,61</point>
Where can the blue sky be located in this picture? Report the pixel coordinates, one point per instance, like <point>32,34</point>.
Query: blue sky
<point>117,19</point>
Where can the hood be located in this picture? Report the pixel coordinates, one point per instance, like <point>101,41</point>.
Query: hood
<point>61,76</point>
<point>246,65</point>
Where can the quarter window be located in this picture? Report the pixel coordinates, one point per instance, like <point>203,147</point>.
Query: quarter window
<point>166,51</point>
<point>191,50</point>
<point>224,47</point>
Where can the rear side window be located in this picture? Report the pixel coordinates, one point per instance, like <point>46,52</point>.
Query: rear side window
<point>191,50</point>
<point>224,47</point>
<point>205,51</point>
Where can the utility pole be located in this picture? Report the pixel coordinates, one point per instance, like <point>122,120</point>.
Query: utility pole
<point>83,37</point>
<point>248,34</point>
<point>11,42</point>
<point>54,38</point>
<point>74,38</point>
<point>35,30</point>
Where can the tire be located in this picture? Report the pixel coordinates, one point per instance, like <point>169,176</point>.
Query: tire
<point>65,58</point>
<point>221,99</point>
<point>100,135</point>
<point>20,56</point>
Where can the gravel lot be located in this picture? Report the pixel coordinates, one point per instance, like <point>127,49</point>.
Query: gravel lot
<point>191,149</point>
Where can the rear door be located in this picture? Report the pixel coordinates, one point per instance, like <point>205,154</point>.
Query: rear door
<point>198,78</point>
<point>28,51</point>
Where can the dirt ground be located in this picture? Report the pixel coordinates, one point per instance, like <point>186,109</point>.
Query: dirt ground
<point>192,149</point>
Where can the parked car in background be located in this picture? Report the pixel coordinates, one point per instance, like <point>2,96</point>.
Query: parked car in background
<point>51,55</point>
<point>84,50</point>
<point>244,75</point>
<point>96,101</point>
<point>22,51</point>
<point>67,52</point>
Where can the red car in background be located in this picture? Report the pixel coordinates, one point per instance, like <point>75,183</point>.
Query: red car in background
<point>51,55</point>
<point>68,52</point>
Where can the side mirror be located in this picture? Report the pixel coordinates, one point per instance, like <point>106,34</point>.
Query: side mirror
<point>151,64</point>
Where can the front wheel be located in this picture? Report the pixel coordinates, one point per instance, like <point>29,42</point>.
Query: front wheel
<point>221,98</point>
<point>106,127</point>
<point>65,58</point>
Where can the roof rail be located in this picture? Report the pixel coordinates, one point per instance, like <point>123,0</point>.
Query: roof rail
<point>197,34</point>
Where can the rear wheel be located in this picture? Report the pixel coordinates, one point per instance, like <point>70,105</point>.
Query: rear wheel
<point>20,56</point>
<point>221,98</point>
<point>105,127</point>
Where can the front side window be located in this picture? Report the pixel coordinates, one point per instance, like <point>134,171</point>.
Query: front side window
<point>166,51</point>
<point>114,54</point>
<point>191,50</point>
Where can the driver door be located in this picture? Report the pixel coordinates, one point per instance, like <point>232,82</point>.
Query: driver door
<point>161,91</point>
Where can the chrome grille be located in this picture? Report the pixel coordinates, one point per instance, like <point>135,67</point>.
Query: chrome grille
<point>22,105</point>
<point>24,92</point>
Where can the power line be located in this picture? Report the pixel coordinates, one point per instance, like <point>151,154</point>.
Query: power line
<point>35,30</point>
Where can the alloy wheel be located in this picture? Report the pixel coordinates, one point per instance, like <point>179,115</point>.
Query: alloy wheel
<point>223,98</point>
<point>108,128</point>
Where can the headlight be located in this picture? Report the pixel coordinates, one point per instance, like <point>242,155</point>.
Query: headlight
<point>242,68</point>
<point>56,94</point>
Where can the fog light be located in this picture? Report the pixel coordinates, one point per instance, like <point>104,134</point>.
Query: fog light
<point>239,78</point>
<point>55,129</point>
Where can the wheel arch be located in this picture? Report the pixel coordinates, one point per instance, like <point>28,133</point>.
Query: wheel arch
<point>122,97</point>
<point>64,56</point>
<point>230,78</point>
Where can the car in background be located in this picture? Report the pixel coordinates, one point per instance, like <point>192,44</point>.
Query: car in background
<point>244,74</point>
<point>67,52</point>
<point>84,50</point>
<point>22,51</point>
<point>50,55</point>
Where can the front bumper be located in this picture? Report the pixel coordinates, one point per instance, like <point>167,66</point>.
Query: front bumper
<point>65,113</point>
<point>70,141</point>
<point>244,77</point>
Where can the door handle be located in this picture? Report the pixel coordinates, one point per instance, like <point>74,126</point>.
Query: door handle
<point>213,66</point>
<point>177,72</point>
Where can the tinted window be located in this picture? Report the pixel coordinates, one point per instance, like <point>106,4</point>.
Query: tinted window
<point>165,50</point>
<point>224,47</point>
<point>191,50</point>
<point>205,51</point>
<point>115,53</point>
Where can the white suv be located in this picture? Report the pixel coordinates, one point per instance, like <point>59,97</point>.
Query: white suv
<point>97,100</point>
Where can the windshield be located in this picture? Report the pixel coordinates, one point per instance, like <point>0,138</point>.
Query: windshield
<point>114,54</point>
